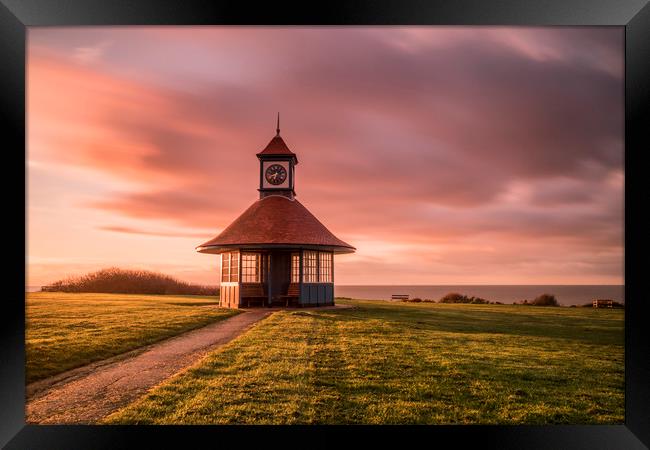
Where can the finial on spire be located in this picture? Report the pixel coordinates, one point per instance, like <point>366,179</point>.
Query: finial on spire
<point>277,130</point>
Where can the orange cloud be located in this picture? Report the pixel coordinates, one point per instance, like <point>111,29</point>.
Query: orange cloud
<point>474,150</point>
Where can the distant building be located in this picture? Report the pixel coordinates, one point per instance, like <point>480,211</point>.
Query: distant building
<point>276,252</point>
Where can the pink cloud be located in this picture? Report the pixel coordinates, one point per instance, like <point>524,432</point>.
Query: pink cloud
<point>131,230</point>
<point>501,137</point>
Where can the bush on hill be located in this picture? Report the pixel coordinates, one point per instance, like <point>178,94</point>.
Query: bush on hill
<point>545,300</point>
<point>454,297</point>
<point>119,281</point>
<point>542,300</point>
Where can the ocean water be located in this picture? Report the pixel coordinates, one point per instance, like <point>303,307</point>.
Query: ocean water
<point>565,294</point>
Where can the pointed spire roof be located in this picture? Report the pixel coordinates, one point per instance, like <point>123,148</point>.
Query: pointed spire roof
<point>277,146</point>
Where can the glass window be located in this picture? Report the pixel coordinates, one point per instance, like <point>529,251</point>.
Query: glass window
<point>250,267</point>
<point>309,268</point>
<point>225,267</point>
<point>234,266</point>
<point>324,267</point>
<point>295,268</point>
<point>230,266</point>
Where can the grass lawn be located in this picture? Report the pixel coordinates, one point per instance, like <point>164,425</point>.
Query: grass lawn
<point>64,331</point>
<point>384,363</point>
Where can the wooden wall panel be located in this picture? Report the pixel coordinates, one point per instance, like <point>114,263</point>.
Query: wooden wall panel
<point>317,294</point>
<point>229,295</point>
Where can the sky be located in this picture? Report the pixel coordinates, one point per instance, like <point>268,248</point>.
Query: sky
<point>445,155</point>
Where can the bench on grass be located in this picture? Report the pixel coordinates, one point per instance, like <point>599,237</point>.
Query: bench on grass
<point>292,295</point>
<point>254,293</point>
<point>399,297</point>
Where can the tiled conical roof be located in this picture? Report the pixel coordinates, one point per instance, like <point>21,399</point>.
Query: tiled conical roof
<point>276,220</point>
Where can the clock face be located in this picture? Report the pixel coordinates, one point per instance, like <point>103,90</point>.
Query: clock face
<point>275,174</point>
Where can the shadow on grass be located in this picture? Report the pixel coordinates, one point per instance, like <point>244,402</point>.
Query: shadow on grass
<point>532,323</point>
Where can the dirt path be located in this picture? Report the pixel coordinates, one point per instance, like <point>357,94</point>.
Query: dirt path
<point>88,394</point>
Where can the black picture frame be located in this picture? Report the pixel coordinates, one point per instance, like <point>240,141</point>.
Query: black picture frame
<point>17,15</point>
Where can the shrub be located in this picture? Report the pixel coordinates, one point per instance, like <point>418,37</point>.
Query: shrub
<point>454,297</point>
<point>119,281</point>
<point>545,300</point>
<point>417,300</point>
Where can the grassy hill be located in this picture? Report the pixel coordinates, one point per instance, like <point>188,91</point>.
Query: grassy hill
<point>64,330</point>
<point>405,363</point>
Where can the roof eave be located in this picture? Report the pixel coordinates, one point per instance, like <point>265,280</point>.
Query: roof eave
<point>221,248</point>
<point>279,156</point>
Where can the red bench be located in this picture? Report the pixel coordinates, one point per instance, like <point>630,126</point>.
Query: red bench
<point>292,296</point>
<point>253,292</point>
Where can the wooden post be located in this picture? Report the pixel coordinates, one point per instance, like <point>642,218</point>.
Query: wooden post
<point>221,286</point>
<point>319,286</point>
<point>269,279</point>
<point>300,252</point>
<point>332,277</point>
<point>239,303</point>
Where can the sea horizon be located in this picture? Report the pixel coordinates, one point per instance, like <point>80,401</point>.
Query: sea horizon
<point>476,284</point>
<point>566,294</point>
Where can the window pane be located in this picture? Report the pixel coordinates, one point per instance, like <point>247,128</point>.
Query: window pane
<point>324,267</point>
<point>250,267</point>
<point>295,268</point>
<point>225,267</point>
<point>234,266</point>
<point>310,266</point>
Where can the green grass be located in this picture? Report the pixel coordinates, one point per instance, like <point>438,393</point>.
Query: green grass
<point>64,331</point>
<point>388,363</point>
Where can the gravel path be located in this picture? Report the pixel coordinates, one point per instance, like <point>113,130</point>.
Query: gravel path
<point>87,394</point>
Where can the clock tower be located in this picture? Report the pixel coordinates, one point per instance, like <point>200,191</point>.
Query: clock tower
<point>277,168</point>
<point>276,253</point>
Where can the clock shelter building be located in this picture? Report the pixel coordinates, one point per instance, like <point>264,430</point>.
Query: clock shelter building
<point>276,253</point>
